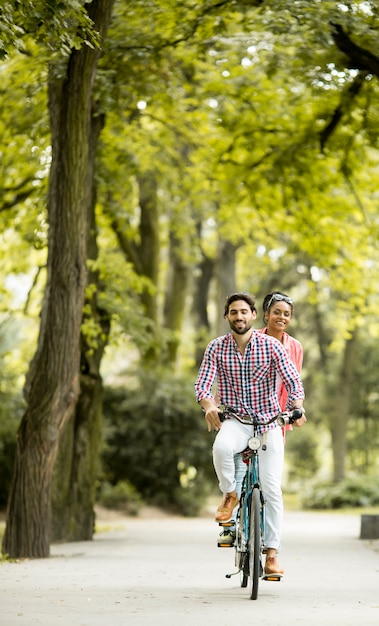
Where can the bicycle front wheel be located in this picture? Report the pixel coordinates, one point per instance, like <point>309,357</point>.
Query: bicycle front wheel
<point>255,543</point>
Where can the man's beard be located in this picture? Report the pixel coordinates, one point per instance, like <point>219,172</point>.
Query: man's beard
<point>240,331</point>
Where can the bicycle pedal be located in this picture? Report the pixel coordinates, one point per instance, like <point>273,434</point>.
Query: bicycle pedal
<point>272,577</point>
<point>225,545</point>
<point>228,524</point>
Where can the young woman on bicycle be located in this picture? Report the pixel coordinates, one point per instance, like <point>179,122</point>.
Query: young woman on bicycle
<point>245,364</point>
<point>277,315</point>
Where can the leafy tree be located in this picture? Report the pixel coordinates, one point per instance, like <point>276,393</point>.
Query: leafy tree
<point>53,386</point>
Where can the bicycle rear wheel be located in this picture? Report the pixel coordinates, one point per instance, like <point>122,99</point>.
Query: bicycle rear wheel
<point>255,543</point>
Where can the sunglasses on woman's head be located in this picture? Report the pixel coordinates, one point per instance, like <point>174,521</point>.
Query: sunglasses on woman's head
<point>278,297</point>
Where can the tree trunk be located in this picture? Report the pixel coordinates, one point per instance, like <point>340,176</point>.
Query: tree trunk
<point>226,282</point>
<point>52,385</point>
<point>76,469</point>
<point>176,293</point>
<point>77,466</point>
<point>202,279</point>
<point>144,254</point>
<point>341,403</point>
<point>149,238</point>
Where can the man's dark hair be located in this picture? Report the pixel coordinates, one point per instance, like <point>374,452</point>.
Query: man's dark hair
<point>242,295</point>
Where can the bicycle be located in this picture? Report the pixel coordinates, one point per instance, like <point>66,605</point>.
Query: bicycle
<point>250,518</point>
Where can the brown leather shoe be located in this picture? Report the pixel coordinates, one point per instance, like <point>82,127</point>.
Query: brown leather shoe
<point>272,566</point>
<point>225,510</point>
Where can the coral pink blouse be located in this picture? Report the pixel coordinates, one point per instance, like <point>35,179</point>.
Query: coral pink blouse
<point>295,352</point>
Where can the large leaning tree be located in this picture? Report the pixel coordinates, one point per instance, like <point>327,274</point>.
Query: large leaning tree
<point>52,385</point>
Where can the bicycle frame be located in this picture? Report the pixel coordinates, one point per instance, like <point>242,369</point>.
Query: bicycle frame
<point>251,481</point>
<point>249,539</point>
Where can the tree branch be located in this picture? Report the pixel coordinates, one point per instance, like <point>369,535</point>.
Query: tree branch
<point>347,97</point>
<point>360,58</point>
<point>19,197</point>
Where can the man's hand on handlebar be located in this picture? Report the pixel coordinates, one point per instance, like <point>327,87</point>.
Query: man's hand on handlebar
<point>212,416</point>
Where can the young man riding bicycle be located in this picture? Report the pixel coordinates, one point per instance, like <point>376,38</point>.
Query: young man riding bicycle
<point>246,363</point>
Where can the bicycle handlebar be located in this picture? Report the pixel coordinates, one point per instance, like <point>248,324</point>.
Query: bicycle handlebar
<point>283,418</point>
<point>289,417</point>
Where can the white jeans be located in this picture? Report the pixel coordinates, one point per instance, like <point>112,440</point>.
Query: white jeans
<point>233,438</point>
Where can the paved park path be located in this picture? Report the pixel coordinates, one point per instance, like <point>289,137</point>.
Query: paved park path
<point>168,571</point>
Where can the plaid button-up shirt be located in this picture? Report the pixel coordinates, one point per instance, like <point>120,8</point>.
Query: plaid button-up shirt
<point>247,382</point>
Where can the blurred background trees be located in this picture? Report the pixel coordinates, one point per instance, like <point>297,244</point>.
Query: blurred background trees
<point>233,145</point>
